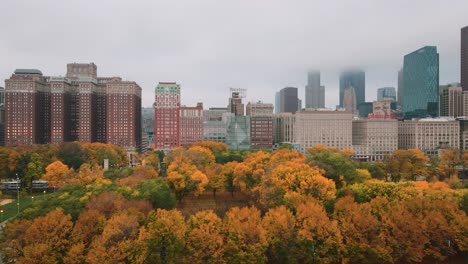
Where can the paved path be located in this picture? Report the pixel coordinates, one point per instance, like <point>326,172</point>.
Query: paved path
<point>5,201</point>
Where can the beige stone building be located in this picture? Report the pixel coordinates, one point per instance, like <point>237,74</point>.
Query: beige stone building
<point>326,127</point>
<point>374,138</point>
<point>429,134</point>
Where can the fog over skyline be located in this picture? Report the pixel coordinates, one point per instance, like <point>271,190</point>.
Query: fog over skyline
<point>208,46</point>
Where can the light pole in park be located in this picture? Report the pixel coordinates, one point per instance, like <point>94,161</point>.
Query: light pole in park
<point>18,190</point>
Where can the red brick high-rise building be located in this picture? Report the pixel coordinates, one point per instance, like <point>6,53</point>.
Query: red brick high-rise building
<point>261,125</point>
<point>77,107</point>
<point>191,124</point>
<point>27,108</point>
<point>166,116</point>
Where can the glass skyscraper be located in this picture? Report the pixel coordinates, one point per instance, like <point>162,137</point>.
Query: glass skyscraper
<point>386,93</point>
<point>421,83</point>
<point>356,79</point>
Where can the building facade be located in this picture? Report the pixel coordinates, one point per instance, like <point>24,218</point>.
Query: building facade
<point>356,79</point>
<point>283,128</point>
<point>191,124</point>
<point>238,132</point>
<point>464,58</point>
<point>324,127</point>
<point>386,93</point>
<point>374,138</point>
<point>147,125</point>
<point>451,101</point>
<point>2,116</point>
<point>421,83</point>
<point>314,91</point>
<point>261,125</point>
<point>400,88</point>
<point>235,104</point>
<point>429,134</point>
<point>166,116</point>
<point>79,107</point>
<point>215,124</point>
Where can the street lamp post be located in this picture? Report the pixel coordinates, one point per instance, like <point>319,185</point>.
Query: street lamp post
<point>1,212</point>
<point>32,199</point>
<point>43,197</point>
<point>18,189</point>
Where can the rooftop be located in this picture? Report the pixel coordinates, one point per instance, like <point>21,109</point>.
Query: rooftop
<point>28,71</point>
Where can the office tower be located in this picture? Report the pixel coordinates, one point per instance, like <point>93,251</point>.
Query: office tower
<point>451,100</point>
<point>356,79</point>
<point>314,92</point>
<point>215,124</point>
<point>400,88</point>
<point>277,103</point>
<point>191,124</point>
<point>2,116</point>
<point>421,83</point>
<point>464,58</point>
<point>261,125</point>
<point>27,108</point>
<point>166,116</point>
<point>323,127</point>
<point>429,134</point>
<point>463,133</point>
<point>283,128</point>
<point>373,139</point>
<point>235,104</point>
<point>289,102</point>
<point>386,93</point>
<point>123,119</point>
<point>349,100</point>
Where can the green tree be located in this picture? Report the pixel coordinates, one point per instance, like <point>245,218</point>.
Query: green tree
<point>157,192</point>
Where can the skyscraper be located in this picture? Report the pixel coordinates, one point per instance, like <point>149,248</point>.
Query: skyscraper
<point>464,58</point>
<point>349,100</point>
<point>451,100</point>
<point>166,115</point>
<point>356,79</point>
<point>386,93</point>
<point>314,92</point>
<point>421,83</point>
<point>289,102</point>
<point>235,105</point>
<point>277,103</point>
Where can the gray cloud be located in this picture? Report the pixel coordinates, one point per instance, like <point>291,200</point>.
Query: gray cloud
<point>210,45</point>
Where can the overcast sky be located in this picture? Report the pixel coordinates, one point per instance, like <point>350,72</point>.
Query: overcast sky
<point>208,46</point>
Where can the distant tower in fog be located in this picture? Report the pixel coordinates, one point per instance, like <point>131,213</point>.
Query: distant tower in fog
<point>314,92</point>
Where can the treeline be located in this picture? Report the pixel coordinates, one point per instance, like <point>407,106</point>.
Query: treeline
<point>322,207</point>
<point>29,162</point>
<point>112,229</point>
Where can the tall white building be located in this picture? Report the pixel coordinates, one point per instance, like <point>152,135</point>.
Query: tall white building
<point>323,127</point>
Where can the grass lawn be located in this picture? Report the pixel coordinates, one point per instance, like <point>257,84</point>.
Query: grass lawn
<point>11,209</point>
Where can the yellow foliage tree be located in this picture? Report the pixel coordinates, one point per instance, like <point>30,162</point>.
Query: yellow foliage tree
<point>57,174</point>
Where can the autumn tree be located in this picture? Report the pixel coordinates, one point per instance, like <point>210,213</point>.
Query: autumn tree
<point>246,239</point>
<point>228,173</point>
<point>185,178</point>
<point>115,243</point>
<point>162,239</point>
<point>157,192</point>
<point>88,175</point>
<point>406,164</point>
<point>47,237</point>
<point>280,225</point>
<point>449,160</point>
<point>204,239</point>
<point>319,238</point>
<point>57,174</point>
<point>140,173</point>
<point>216,179</point>
<point>214,146</point>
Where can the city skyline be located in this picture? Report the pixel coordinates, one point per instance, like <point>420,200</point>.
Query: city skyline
<point>129,43</point>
